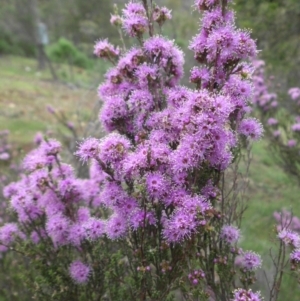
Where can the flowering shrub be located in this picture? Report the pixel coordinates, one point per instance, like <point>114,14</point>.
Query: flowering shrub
<point>154,219</point>
<point>281,121</point>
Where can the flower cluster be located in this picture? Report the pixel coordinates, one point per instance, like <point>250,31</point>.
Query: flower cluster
<point>196,276</point>
<point>79,272</point>
<point>246,295</point>
<point>286,220</point>
<point>249,261</point>
<point>104,49</point>
<point>230,234</point>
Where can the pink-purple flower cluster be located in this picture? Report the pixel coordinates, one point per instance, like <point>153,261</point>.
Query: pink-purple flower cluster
<point>196,276</point>
<point>286,220</point>
<point>246,295</point>
<point>50,200</point>
<point>289,238</point>
<point>104,49</point>
<point>249,261</point>
<point>79,272</point>
<point>230,234</point>
<point>262,97</point>
<point>135,21</point>
<point>285,136</point>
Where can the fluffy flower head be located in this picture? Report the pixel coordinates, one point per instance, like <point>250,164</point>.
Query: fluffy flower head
<point>79,271</point>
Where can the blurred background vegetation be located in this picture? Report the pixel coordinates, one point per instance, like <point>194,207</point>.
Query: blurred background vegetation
<point>73,26</point>
<point>275,25</point>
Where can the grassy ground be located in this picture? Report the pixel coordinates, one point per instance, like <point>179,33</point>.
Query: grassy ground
<point>25,93</point>
<point>270,190</point>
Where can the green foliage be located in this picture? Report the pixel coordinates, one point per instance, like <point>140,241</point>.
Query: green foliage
<point>10,45</point>
<point>64,51</point>
<point>275,24</point>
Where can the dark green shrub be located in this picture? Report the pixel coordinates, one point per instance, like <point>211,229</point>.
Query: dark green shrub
<point>64,51</point>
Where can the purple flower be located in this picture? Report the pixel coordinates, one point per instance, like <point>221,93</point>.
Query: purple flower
<point>103,49</point>
<point>112,194</point>
<point>161,15</point>
<point>251,128</point>
<point>114,113</point>
<point>295,256</point>
<point>4,156</point>
<point>204,4</point>
<point>94,228</point>
<point>157,185</point>
<point>88,149</point>
<point>246,295</point>
<point>42,156</point>
<point>146,74</point>
<point>276,133</point>
<point>140,101</point>
<point>181,226</point>
<point>116,227</point>
<point>249,260</point>
<point>292,143</point>
<point>116,20</point>
<point>200,75</point>
<point>36,236</point>
<point>135,24</point>
<point>272,121</point>
<point>215,18</point>
<point>38,138</point>
<point>79,272</point>
<point>140,218</point>
<point>57,228</point>
<point>113,148</point>
<point>83,214</point>
<point>76,234</point>
<point>8,233</point>
<point>295,127</point>
<point>195,276</point>
<point>50,147</point>
<point>294,93</point>
<point>134,8</point>
<point>230,234</point>
<point>289,238</point>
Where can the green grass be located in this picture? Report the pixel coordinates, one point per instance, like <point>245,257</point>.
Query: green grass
<point>270,190</point>
<point>23,129</point>
<point>25,93</point>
